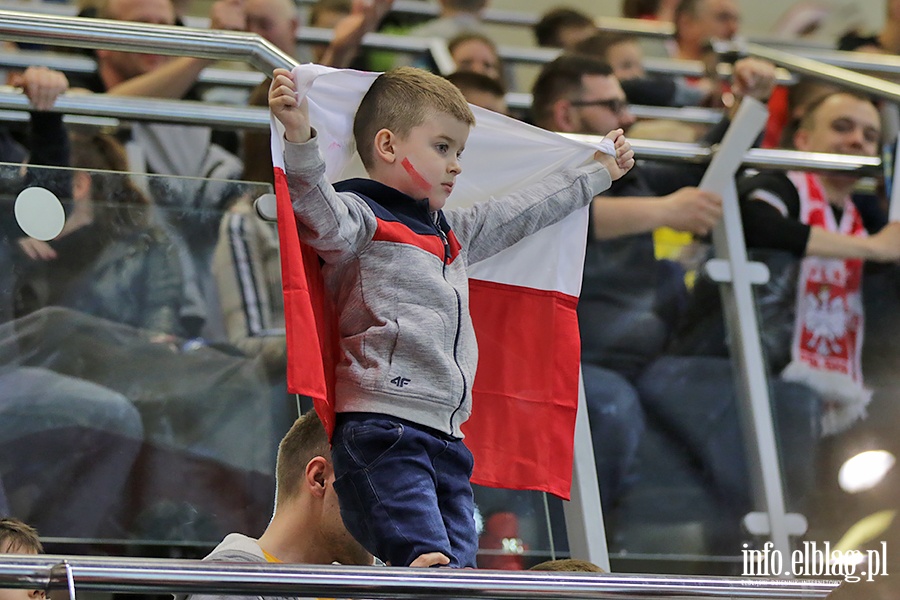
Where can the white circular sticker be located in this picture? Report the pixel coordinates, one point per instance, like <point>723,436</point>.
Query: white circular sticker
<point>40,213</point>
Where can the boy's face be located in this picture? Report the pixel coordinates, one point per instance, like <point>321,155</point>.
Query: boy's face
<point>427,159</point>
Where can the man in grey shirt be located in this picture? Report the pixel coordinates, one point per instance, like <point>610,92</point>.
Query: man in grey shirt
<point>306,526</point>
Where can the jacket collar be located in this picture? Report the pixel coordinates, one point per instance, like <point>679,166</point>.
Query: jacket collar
<point>383,194</point>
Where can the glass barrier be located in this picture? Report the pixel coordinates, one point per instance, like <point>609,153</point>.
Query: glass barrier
<point>142,360</point>
<point>836,454</point>
<point>132,405</point>
<point>142,393</point>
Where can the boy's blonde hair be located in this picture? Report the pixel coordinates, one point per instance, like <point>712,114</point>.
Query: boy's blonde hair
<point>401,99</point>
<point>17,537</point>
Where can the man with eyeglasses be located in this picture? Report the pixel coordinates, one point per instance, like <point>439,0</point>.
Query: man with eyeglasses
<point>629,304</point>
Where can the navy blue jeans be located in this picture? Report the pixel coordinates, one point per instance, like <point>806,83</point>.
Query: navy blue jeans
<point>404,489</point>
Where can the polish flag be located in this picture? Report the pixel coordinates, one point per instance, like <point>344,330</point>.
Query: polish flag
<point>522,300</point>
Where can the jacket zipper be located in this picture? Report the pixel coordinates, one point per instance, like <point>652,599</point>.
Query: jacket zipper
<point>446,261</point>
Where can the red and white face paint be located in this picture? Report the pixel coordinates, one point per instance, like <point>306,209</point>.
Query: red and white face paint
<point>429,159</point>
<point>417,178</point>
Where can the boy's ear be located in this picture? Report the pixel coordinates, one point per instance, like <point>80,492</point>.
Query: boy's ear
<point>384,146</point>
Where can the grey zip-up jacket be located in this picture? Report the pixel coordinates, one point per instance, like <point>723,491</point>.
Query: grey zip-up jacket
<point>397,275</point>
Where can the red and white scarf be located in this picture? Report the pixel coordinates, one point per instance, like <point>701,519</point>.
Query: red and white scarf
<point>828,330</point>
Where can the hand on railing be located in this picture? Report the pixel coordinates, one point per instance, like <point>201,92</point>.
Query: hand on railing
<point>42,86</point>
<point>753,77</point>
<point>430,559</point>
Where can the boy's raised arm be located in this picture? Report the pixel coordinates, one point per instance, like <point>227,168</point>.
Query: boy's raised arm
<point>283,103</point>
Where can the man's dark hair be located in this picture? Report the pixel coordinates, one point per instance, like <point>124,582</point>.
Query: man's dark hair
<point>599,44</point>
<point>807,121</point>
<point>561,78</point>
<point>468,80</point>
<point>305,440</point>
<point>547,30</point>
<point>639,9</point>
<point>690,8</point>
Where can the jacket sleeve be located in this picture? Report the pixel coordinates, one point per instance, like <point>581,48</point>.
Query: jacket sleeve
<point>489,227</point>
<point>770,211</point>
<point>337,225</point>
<point>243,281</point>
<point>163,277</point>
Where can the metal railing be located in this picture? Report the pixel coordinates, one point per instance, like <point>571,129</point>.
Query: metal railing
<point>142,37</point>
<point>255,118</point>
<point>159,576</point>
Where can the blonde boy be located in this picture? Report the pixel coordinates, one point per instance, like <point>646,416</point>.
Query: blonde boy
<point>17,537</point>
<point>395,266</point>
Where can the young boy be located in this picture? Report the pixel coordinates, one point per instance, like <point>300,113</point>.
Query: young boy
<point>18,538</point>
<point>395,268</point>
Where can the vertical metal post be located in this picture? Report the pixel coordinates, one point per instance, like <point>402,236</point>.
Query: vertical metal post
<point>735,276</point>
<point>584,514</point>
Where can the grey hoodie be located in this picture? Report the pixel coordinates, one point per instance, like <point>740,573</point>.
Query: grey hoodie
<point>397,276</point>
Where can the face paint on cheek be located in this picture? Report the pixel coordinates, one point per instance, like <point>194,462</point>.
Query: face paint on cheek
<point>417,178</point>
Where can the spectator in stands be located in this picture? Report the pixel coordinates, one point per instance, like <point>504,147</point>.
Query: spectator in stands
<point>245,261</point>
<point>814,219</point>
<point>568,565</point>
<point>629,305</point>
<point>61,438</point>
<point>456,17</point>
<point>623,53</point>
<point>563,28</point>
<point>476,53</point>
<point>654,10</point>
<point>698,22</point>
<point>110,260</point>
<point>102,304</point>
<point>49,145</point>
<point>306,526</point>
<point>887,40</point>
<point>67,446</point>
<point>480,90</point>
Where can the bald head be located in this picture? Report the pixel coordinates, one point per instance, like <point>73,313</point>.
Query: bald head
<point>275,20</point>
<point>116,67</point>
<point>158,12</point>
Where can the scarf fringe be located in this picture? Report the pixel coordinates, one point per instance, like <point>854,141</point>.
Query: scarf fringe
<point>845,400</point>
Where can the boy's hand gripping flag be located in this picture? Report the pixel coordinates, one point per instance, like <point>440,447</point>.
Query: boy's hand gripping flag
<point>522,300</point>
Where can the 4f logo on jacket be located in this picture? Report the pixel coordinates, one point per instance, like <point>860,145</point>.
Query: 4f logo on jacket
<point>400,381</point>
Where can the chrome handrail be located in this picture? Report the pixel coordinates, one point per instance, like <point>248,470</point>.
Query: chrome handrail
<point>163,576</point>
<point>819,70</point>
<point>142,37</point>
<point>257,118</point>
<point>77,64</point>
<point>147,109</point>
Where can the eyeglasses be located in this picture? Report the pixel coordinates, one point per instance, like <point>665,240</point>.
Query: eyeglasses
<point>615,105</point>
